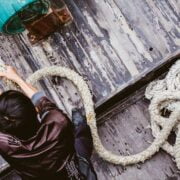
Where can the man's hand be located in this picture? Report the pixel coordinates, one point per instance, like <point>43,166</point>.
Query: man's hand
<point>11,74</point>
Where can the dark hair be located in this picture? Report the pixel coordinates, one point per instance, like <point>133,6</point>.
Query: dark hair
<point>18,115</point>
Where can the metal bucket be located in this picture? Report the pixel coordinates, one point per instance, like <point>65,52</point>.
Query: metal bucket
<point>14,13</point>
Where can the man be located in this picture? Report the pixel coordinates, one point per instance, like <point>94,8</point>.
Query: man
<point>37,138</point>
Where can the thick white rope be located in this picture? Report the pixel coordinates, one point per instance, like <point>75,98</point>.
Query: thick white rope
<point>161,95</point>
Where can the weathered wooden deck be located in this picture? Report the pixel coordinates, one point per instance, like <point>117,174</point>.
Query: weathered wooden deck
<point>125,129</point>
<point>113,44</point>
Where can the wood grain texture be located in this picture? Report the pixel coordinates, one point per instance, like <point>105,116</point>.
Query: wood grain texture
<point>125,130</point>
<point>111,43</point>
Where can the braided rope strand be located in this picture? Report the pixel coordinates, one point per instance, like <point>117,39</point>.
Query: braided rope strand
<point>157,102</point>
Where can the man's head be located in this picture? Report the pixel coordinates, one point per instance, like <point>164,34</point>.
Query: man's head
<point>18,115</point>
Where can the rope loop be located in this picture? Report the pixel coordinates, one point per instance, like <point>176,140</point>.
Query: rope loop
<point>164,95</point>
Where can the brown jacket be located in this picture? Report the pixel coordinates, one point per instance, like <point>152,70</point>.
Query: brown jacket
<point>45,155</point>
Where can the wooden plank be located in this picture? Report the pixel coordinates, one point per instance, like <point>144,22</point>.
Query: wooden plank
<point>132,86</point>
<point>3,165</point>
<point>124,130</point>
<point>112,44</point>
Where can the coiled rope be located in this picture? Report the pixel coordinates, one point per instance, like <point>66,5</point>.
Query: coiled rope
<point>162,93</point>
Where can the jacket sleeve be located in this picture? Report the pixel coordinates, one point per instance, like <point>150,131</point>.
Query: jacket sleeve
<point>43,104</point>
<point>6,143</point>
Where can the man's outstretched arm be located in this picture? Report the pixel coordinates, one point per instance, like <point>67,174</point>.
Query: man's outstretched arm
<point>12,75</point>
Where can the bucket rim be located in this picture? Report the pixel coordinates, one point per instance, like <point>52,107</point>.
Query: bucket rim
<point>22,28</point>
